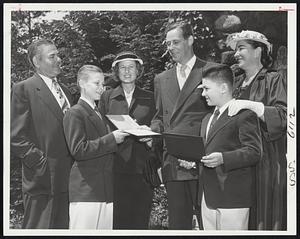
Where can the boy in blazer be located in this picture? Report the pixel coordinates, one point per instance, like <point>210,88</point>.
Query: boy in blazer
<point>92,147</point>
<point>233,147</point>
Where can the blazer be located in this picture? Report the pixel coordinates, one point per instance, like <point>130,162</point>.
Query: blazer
<point>37,137</point>
<point>130,157</point>
<point>179,111</point>
<point>238,138</point>
<point>92,147</point>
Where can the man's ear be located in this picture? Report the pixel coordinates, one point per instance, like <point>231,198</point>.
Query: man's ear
<point>190,40</point>
<point>224,88</point>
<point>35,62</point>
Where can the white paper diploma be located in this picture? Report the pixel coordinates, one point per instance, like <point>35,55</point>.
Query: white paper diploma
<point>126,123</point>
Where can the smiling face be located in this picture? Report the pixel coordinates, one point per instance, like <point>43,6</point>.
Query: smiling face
<point>127,71</point>
<point>179,48</point>
<point>92,86</point>
<point>47,61</point>
<point>212,91</point>
<point>246,55</point>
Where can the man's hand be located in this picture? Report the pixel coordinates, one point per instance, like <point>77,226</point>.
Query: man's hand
<point>212,160</point>
<point>186,164</point>
<point>119,135</point>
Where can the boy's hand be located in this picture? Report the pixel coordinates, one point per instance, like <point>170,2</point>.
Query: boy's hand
<point>186,164</point>
<point>212,160</point>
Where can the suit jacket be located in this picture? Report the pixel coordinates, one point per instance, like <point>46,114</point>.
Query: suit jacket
<point>238,138</point>
<point>37,137</point>
<point>92,147</point>
<point>130,157</point>
<point>179,112</point>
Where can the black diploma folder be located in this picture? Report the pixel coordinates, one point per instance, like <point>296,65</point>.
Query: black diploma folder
<point>186,147</point>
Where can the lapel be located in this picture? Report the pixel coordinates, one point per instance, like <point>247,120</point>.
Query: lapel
<point>93,117</point>
<point>193,80</point>
<point>67,94</point>
<point>223,120</point>
<point>204,126</point>
<point>48,98</point>
<point>118,94</point>
<point>138,95</point>
<point>170,85</point>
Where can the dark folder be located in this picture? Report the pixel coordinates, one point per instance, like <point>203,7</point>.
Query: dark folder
<point>186,147</point>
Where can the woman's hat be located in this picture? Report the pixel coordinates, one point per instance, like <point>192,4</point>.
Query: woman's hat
<point>233,38</point>
<point>126,55</point>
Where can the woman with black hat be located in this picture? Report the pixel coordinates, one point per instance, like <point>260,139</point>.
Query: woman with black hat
<point>263,91</point>
<point>132,193</point>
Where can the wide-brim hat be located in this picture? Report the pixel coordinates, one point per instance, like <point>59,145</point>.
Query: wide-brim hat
<point>233,38</point>
<point>125,56</point>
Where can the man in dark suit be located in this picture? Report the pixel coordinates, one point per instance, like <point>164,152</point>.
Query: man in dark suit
<point>92,145</point>
<point>180,109</point>
<point>233,147</point>
<point>37,138</point>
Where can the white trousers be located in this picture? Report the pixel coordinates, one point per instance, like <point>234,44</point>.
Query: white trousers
<point>224,218</point>
<point>91,215</point>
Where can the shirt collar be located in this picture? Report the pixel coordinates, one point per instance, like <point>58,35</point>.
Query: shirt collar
<point>190,64</point>
<point>46,79</point>
<point>92,104</point>
<point>224,107</point>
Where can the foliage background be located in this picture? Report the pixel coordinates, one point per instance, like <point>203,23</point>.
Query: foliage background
<point>94,37</point>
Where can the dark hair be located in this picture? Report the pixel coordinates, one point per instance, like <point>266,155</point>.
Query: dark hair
<point>219,73</point>
<point>115,69</point>
<point>33,49</point>
<point>266,60</point>
<point>185,27</point>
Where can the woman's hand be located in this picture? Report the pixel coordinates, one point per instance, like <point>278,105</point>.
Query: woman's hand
<point>119,135</point>
<point>237,105</point>
<point>147,140</point>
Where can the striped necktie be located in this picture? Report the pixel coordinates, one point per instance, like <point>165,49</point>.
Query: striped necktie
<point>214,119</point>
<point>63,102</point>
<point>97,112</point>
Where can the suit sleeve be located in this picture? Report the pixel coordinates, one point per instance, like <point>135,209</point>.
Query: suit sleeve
<point>22,144</point>
<point>80,145</point>
<point>250,150</point>
<point>157,121</point>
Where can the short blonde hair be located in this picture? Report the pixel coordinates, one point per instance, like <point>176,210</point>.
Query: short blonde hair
<point>84,71</point>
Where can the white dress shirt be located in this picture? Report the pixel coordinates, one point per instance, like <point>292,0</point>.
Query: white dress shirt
<point>128,96</point>
<point>190,64</point>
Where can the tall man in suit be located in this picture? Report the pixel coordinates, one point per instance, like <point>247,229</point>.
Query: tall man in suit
<point>92,145</point>
<point>233,147</point>
<point>180,109</point>
<point>37,138</point>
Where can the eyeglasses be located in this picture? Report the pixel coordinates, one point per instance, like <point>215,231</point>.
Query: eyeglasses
<point>174,42</point>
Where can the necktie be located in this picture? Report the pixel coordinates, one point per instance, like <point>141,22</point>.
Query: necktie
<point>214,119</point>
<point>182,71</point>
<point>63,102</point>
<point>97,112</point>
